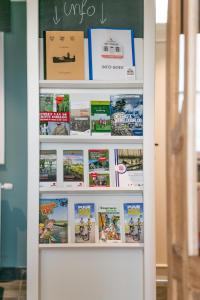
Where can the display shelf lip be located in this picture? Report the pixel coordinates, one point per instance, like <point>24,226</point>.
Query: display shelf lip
<point>91,84</point>
<point>91,139</point>
<point>91,245</point>
<point>90,190</point>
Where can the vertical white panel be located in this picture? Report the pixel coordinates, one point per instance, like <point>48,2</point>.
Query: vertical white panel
<point>2,102</point>
<point>149,150</point>
<point>33,149</point>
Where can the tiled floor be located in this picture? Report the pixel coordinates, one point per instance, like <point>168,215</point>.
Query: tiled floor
<point>16,290</point>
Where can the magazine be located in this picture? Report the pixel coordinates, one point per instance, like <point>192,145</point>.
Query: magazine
<point>73,168</point>
<point>111,54</point>
<point>54,114</point>
<point>127,115</point>
<point>84,222</point>
<point>99,168</point>
<point>129,167</point>
<point>134,222</point>
<point>48,168</point>
<point>53,221</point>
<point>80,118</point>
<point>100,117</point>
<point>109,224</point>
<point>64,55</point>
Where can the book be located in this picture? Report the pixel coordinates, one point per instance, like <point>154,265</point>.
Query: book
<point>134,222</point>
<point>73,168</point>
<point>111,54</point>
<point>99,168</point>
<point>80,118</point>
<point>64,55</point>
<point>84,222</point>
<point>100,118</point>
<point>48,168</point>
<point>54,114</point>
<point>128,167</point>
<point>109,224</point>
<point>127,115</point>
<point>53,220</point>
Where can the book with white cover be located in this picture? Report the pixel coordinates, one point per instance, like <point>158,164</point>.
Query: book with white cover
<point>111,54</point>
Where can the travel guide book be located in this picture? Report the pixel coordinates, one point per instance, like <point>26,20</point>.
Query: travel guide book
<point>127,115</point>
<point>134,222</point>
<point>64,55</point>
<point>84,222</point>
<point>99,175</point>
<point>73,168</point>
<point>111,54</point>
<point>80,118</point>
<point>53,221</point>
<point>48,168</point>
<point>129,167</point>
<point>100,118</point>
<point>109,224</point>
<point>54,114</point>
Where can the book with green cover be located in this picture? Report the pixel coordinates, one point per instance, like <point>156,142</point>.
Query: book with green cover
<point>100,118</point>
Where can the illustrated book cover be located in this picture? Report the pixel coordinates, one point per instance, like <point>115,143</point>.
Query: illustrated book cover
<point>109,224</point>
<point>64,55</point>
<point>127,115</point>
<point>73,168</point>
<point>48,168</point>
<point>80,118</point>
<point>134,222</point>
<point>111,54</point>
<point>129,167</point>
<point>84,222</point>
<point>54,114</point>
<point>99,175</point>
<point>53,221</point>
<point>100,118</point>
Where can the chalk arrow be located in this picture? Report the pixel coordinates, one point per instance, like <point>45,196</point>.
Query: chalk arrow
<point>102,20</point>
<point>56,19</point>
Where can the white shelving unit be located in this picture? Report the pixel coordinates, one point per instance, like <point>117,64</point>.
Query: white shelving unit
<point>114,271</point>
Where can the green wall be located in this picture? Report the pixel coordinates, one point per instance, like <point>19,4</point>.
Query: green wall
<point>14,203</point>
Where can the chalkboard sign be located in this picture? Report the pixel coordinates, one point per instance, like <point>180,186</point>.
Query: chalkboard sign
<point>4,15</point>
<point>82,14</point>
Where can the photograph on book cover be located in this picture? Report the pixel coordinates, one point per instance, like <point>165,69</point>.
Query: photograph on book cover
<point>2,102</point>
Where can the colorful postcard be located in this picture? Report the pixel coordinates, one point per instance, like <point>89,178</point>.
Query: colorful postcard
<point>84,222</point>
<point>134,222</point>
<point>53,221</point>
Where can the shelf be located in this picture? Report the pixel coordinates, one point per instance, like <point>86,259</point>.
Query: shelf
<point>94,245</point>
<point>90,190</point>
<point>91,139</point>
<point>90,84</point>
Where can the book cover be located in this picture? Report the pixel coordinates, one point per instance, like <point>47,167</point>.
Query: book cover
<point>111,54</point>
<point>48,168</point>
<point>129,167</point>
<point>99,168</point>
<point>109,224</point>
<point>100,118</point>
<point>80,118</point>
<point>127,115</point>
<point>53,221</point>
<point>54,114</point>
<point>134,222</point>
<point>84,222</point>
<point>73,168</point>
<point>64,55</point>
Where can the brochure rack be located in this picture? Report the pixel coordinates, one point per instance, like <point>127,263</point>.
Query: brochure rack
<point>90,271</point>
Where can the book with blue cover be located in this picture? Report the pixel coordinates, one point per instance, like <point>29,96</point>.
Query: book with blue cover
<point>111,54</point>
<point>127,115</point>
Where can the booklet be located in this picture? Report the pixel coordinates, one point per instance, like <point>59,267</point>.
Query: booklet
<point>134,222</point>
<point>73,168</point>
<point>80,118</point>
<point>100,118</point>
<point>111,54</point>
<point>64,55</point>
<point>48,168</point>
